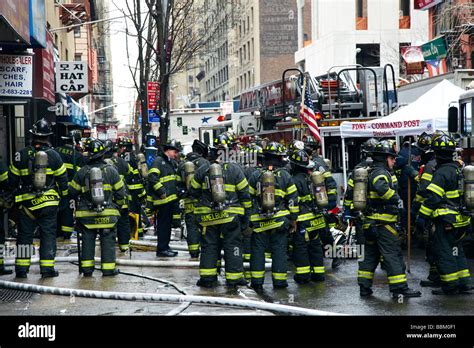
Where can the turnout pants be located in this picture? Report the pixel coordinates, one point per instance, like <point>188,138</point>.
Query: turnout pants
<point>107,250</point>
<point>277,242</point>
<point>430,257</point>
<point>193,234</point>
<point>46,220</point>
<point>65,218</point>
<point>211,245</point>
<point>382,240</point>
<point>164,220</point>
<point>449,257</point>
<point>2,238</point>
<point>136,208</point>
<point>308,256</point>
<point>123,230</point>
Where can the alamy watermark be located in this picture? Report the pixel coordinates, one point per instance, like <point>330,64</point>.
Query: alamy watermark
<point>345,251</point>
<point>22,251</point>
<point>231,156</point>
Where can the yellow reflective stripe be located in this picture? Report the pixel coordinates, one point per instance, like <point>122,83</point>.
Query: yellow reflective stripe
<point>168,199</point>
<point>464,273</point>
<point>326,175</point>
<point>107,187</point>
<point>306,217</point>
<point>235,210</point>
<point>108,266</point>
<point>4,176</point>
<point>332,192</point>
<point>45,204</point>
<point>208,271</point>
<point>402,278</point>
<point>135,187</point>
<point>26,172</point>
<point>436,189</point>
<point>195,185</point>
<point>60,171</point>
<point>99,226</point>
<point>217,222</point>
<point>391,230</point>
<point>176,216</point>
<point>318,269</point>
<point>87,263</point>
<point>427,177</point>
<point>426,211</point>
<point>280,193</point>
<point>105,212</point>
<point>377,178</point>
<point>351,183</point>
<point>193,247</point>
<point>69,166</point>
<point>389,194</point>
<point>383,217</point>
<point>291,189</point>
<point>241,185</point>
<point>452,194</point>
<point>247,204</point>
<point>47,263</point>
<point>157,186</point>
<point>271,226</point>
<point>22,262</point>
<point>229,188</point>
<point>75,186</point>
<point>258,274</point>
<point>234,276</point>
<point>347,203</point>
<point>67,229</point>
<point>449,277</point>
<point>257,217</point>
<point>168,178</point>
<point>252,191</point>
<point>303,270</point>
<point>14,170</point>
<point>118,185</point>
<point>307,198</point>
<point>419,199</point>
<point>135,171</point>
<point>279,276</point>
<point>294,209</point>
<point>151,171</point>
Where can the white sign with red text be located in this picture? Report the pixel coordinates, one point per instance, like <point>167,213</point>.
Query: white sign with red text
<point>386,129</point>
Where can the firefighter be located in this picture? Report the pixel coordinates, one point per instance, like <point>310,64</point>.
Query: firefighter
<point>427,169</point>
<point>443,205</point>
<point>5,203</point>
<point>135,186</point>
<point>307,251</point>
<point>274,214</point>
<point>39,178</point>
<point>312,146</point>
<point>222,208</point>
<point>381,232</point>
<point>125,172</point>
<point>163,194</point>
<point>193,161</point>
<point>73,160</point>
<point>99,193</point>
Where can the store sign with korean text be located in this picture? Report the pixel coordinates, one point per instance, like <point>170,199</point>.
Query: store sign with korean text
<point>16,76</point>
<point>435,49</point>
<point>72,77</point>
<point>153,89</point>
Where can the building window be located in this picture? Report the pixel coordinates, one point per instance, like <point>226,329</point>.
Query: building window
<point>369,54</point>
<point>361,15</point>
<point>77,32</point>
<point>248,49</point>
<point>67,54</point>
<point>245,52</point>
<point>404,20</point>
<point>78,57</point>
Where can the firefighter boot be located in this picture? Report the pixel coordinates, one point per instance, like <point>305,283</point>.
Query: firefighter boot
<point>207,283</point>
<point>365,291</point>
<point>406,293</point>
<point>50,274</point>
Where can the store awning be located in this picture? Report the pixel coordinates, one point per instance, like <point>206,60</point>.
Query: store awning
<point>75,114</point>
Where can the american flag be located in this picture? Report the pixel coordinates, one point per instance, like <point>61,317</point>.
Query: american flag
<point>307,113</point>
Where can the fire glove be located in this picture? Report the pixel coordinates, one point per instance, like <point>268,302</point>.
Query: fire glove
<point>293,227</point>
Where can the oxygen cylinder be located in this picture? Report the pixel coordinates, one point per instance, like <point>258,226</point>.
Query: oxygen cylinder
<point>109,162</point>
<point>268,191</point>
<point>189,170</point>
<point>217,185</point>
<point>97,187</point>
<point>39,173</point>
<point>468,174</point>
<point>319,189</point>
<point>361,178</point>
<point>142,166</point>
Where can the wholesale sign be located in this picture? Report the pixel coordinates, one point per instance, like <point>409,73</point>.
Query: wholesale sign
<point>71,77</point>
<point>16,76</point>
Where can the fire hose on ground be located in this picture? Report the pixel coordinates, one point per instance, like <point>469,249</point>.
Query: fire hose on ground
<point>125,296</point>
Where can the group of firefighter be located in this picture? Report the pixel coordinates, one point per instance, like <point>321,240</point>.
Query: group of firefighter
<point>280,203</point>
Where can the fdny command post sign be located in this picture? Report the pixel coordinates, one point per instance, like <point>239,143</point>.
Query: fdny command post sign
<point>16,76</point>
<point>71,77</point>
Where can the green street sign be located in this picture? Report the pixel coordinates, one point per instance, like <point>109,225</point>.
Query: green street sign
<point>185,130</point>
<point>180,121</point>
<point>435,49</point>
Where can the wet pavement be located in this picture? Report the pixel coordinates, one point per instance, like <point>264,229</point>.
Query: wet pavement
<point>339,293</point>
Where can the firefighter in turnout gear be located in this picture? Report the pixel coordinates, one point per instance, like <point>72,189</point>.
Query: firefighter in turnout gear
<point>312,199</point>
<point>443,205</point>
<point>135,186</point>
<point>311,146</point>
<point>163,194</point>
<point>5,203</point>
<point>73,160</point>
<point>99,194</point>
<point>223,202</point>
<point>381,232</point>
<point>39,178</point>
<point>428,167</point>
<point>125,172</point>
<point>186,171</point>
<point>274,213</point>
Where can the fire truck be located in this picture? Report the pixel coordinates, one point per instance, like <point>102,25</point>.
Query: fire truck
<point>460,122</point>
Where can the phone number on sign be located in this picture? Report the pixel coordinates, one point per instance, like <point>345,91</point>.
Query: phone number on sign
<point>26,92</point>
